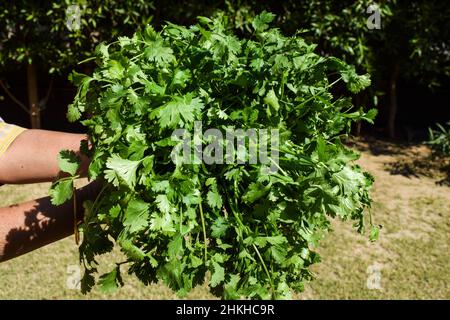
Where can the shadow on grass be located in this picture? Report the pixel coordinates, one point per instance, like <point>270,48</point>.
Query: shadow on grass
<point>380,146</point>
<point>429,166</point>
<point>410,159</point>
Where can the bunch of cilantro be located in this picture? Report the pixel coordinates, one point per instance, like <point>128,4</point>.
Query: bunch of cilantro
<point>248,231</point>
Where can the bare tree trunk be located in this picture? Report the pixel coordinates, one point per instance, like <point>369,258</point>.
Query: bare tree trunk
<point>33,97</point>
<point>358,129</point>
<point>393,100</point>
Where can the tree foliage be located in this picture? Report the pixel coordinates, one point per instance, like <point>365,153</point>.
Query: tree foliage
<point>412,42</point>
<point>39,31</point>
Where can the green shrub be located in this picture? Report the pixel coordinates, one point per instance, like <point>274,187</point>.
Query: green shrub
<point>439,139</point>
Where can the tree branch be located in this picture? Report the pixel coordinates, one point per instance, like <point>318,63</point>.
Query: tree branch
<point>13,98</point>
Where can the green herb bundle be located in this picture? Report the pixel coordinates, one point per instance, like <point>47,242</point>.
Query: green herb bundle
<point>246,229</point>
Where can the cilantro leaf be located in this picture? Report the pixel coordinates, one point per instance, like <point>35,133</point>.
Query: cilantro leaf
<point>122,168</point>
<point>179,111</point>
<point>214,199</point>
<point>68,162</point>
<point>260,22</point>
<point>218,275</point>
<point>61,191</point>
<point>111,281</point>
<point>136,215</point>
<point>157,52</point>
<point>219,227</point>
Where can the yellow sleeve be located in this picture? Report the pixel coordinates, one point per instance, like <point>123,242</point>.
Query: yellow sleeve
<point>8,132</point>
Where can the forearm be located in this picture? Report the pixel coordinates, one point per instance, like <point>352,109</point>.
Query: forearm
<point>33,156</point>
<point>31,225</point>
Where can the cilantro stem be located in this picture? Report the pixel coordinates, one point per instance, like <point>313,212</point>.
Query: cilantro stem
<point>265,268</point>
<point>87,60</point>
<point>244,229</point>
<point>319,92</point>
<point>137,56</point>
<point>98,197</point>
<point>204,230</point>
<point>181,218</point>
<point>254,247</point>
<point>75,221</point>
<point>279,168</point>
